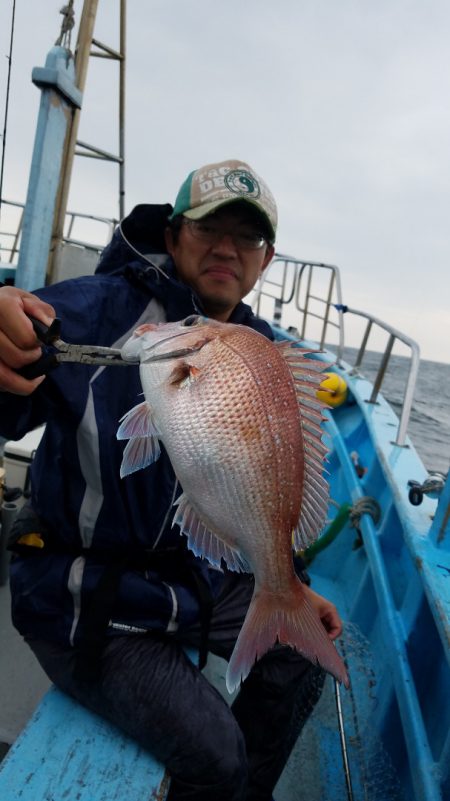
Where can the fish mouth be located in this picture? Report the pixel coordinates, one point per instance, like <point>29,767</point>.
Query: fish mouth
<point>172,354</point>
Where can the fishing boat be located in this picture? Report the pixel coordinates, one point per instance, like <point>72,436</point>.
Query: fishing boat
<point>383,557</point>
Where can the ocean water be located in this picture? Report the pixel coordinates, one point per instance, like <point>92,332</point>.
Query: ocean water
<point>429,425</point>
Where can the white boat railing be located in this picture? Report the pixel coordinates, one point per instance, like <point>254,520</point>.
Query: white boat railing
<point>72,218</point>
<point>287,294</point>
<point>12,250</point>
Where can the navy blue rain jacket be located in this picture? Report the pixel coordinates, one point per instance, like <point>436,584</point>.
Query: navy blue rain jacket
<point>89,515</point>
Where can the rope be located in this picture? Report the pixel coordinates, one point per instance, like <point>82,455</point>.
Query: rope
<point>364,506</point>
<point>66,25</point>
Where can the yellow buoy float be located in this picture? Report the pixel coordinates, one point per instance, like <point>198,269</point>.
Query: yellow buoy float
<point>333,390</point>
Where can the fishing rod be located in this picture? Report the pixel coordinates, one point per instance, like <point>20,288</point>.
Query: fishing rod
<point>8,84</point>
<point>340,717</point>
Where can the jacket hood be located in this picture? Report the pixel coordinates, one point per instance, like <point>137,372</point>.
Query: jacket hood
<point>142,232</point>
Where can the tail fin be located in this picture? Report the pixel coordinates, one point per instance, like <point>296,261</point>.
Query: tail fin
<point>290,621</point>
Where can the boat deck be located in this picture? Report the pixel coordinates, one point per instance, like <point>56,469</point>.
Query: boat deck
<point>22,681</point>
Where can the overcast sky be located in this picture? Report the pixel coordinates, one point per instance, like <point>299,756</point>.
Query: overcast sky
<point>343,107</point>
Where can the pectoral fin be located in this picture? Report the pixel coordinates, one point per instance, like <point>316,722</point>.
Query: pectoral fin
<point>183,375</point>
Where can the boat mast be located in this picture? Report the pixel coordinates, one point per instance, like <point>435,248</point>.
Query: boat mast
<point>74,147</point>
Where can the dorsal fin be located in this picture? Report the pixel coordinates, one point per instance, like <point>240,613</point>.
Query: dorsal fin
<point>307,377</point>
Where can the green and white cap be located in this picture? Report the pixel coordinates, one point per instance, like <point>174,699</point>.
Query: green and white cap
<point>207,189</point>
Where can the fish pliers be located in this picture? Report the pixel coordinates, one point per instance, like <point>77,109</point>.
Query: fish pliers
<point>57,352</point>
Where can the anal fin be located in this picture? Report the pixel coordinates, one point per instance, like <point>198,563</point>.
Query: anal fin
<point>203,542</point>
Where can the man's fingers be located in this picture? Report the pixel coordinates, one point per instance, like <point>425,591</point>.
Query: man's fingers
<point>11,381</point>
<point>19,345</point>
<point>15,355</point>
<point>333,626</point>
<point>15,308</point>
<point>38,308</point>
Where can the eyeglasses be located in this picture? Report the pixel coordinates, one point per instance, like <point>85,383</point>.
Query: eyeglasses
<point>209,232</point>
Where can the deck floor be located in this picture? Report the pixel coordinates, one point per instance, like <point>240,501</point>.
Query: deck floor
<point>22,681</point>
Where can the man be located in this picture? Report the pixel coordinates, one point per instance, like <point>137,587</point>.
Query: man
<point>111,596</point>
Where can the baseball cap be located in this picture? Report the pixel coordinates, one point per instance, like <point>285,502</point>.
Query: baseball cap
<point>207,189</point>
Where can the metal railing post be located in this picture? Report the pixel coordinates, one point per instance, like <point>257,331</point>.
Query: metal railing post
<point>282,300</point>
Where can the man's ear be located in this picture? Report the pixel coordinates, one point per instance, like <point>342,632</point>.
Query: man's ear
<point>168,236</point>
<point>270,252</point>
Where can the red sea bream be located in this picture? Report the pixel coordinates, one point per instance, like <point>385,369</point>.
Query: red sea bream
<point>239,418</point>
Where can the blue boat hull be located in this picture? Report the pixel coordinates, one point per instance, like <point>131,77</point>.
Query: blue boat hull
<point>389,576</point>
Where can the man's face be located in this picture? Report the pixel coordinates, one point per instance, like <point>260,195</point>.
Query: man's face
<point>220,272</point>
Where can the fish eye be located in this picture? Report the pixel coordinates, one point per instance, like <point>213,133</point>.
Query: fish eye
<point>193,319</point>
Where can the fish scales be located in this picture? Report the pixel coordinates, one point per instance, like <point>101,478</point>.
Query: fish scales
<point>242,445</point>
<point>229,415</point>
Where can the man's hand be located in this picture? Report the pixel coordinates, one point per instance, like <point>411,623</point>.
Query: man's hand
<point>326,611</point>
<point>18,343</point>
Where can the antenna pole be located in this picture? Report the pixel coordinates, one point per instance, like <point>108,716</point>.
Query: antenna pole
<point>82,54</point>
<point>83,48</point>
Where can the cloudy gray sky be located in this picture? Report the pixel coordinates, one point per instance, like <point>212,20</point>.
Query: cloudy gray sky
<point>343,107</point>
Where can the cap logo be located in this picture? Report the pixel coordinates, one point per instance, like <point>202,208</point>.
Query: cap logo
<point>242,182</point>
